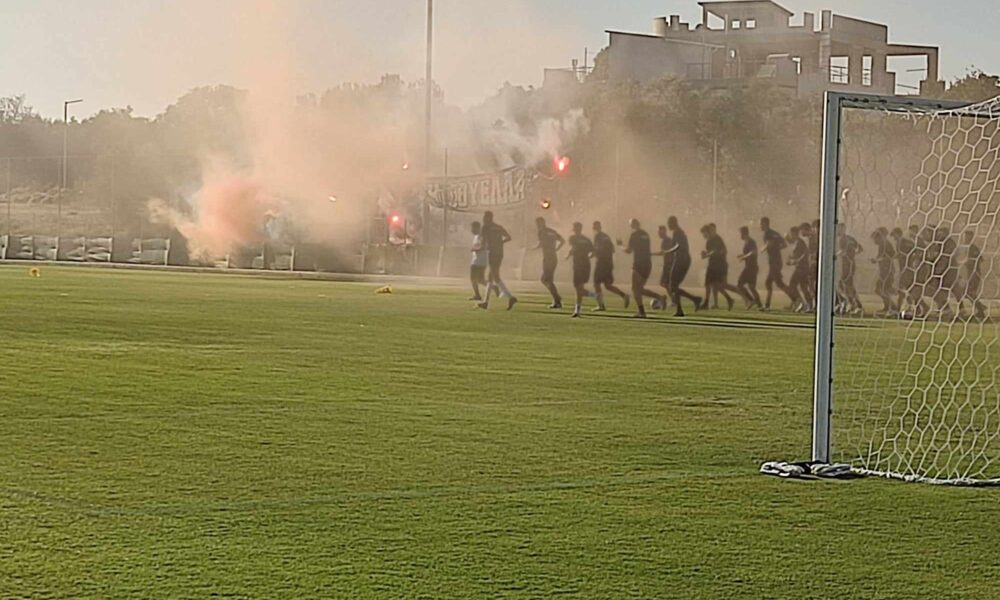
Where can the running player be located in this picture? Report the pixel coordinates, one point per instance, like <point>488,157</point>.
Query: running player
<point>480,260</point>
<point>923,258</point>
<point>717,271</point>
<point>799,261</point>
<point>604,268</point>
<point>810,234</point>
<point>681,252</point>
<point>642,266</point>
<point>580,251</point>
<point>884,261</point>
<point>907,261</point>
<point>668,258</point>
<point>972,271</point>
<point>751,269</point>
<point>774,244</point>
<point>495,236</point>
<point>550,242</point>
<point>848,250</point>
<point>946,271</point>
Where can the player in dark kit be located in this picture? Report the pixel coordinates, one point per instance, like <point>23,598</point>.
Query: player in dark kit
<point>681,252</point>
<point>550,242</point>
<point>480,260</point>
<point>810,233</point>
<point>907,260</point>
<point>604,267</point>
<point>581,249</point>
<point>495,237</point>
<point>946,269</point>
<point>774,244</point>
<point>848,250</point>
<point>885,261</point>
<point>751,269</point>
<point>972,271</point>
<point>799,260</point>
<point>717,271</point>
<point>639,246</point>
<point>668,258</point>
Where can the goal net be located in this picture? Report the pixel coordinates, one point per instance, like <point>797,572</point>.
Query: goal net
<point>908,350</point>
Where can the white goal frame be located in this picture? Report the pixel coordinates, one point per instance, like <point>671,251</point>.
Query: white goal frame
<point>835,103</point>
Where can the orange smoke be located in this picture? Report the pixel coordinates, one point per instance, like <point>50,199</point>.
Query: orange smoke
<point>230,213</point>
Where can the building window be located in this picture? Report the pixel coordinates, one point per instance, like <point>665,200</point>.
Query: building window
<point>866,70</point>
<point>751,23</point>
<point>736,24</point>
<point>840,70</point>
<point>798,64</point>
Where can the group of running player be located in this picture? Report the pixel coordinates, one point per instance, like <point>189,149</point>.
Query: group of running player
<point>928,263</point>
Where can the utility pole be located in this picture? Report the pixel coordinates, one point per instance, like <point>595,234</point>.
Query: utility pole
<point>428,99</point>
<point>618,180</point>
<point>65,162</point>
<point>715,180</point>
<point>9,226</point>
<point>444,234</point>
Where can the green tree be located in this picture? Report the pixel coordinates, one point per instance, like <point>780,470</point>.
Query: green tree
<point>975,86</point>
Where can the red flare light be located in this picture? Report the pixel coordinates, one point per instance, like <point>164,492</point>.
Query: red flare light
<point>546,204</point>
<point>562,164</point>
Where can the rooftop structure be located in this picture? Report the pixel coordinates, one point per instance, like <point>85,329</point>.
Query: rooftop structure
<point>739,41</point>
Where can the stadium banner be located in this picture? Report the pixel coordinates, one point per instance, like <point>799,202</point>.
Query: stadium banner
<point>504,189</point>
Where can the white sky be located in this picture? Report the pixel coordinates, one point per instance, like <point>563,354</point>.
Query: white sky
<point>146,53</point>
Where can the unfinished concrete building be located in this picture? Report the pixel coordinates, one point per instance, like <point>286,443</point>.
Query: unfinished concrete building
<point>739,41</point>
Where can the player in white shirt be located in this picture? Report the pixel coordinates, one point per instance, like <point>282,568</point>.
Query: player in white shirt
<point>480,260</point>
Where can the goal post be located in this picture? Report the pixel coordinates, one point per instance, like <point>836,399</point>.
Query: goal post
<point>909,212</point>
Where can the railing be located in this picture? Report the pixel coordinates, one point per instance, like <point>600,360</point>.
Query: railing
<point>841,75</point>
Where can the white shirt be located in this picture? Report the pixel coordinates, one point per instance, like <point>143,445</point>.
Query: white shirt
<point>480,256</point>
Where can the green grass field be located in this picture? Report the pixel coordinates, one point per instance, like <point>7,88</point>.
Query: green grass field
<point>177,435</point>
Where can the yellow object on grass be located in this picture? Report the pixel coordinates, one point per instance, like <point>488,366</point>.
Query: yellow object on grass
<point>384,290</point>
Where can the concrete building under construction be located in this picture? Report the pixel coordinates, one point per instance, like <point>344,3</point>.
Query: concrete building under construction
<point>739,41</point>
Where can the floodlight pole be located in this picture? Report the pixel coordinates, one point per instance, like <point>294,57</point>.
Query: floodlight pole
<point>823,382</point>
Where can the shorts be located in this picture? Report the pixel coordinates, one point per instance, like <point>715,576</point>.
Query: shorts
<point>716,274</point>
<point>950,280</point>
<point>549,270</point>
<point>668,267</point>
<point>604,274</point>
<point>749,276</point>
<point>581,274</point>
<point>643,270</point>
<point>884,284</point>
<point>477,273</point>
<point>679,273</point>
<point>907,277</point>
<point>774,276</point>
<point>847,270</point>
<point>800,277</point>
<point>495,263</point>
<point>974,286</point>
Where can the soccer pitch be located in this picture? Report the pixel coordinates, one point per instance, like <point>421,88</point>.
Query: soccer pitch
<point>179,435</point>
